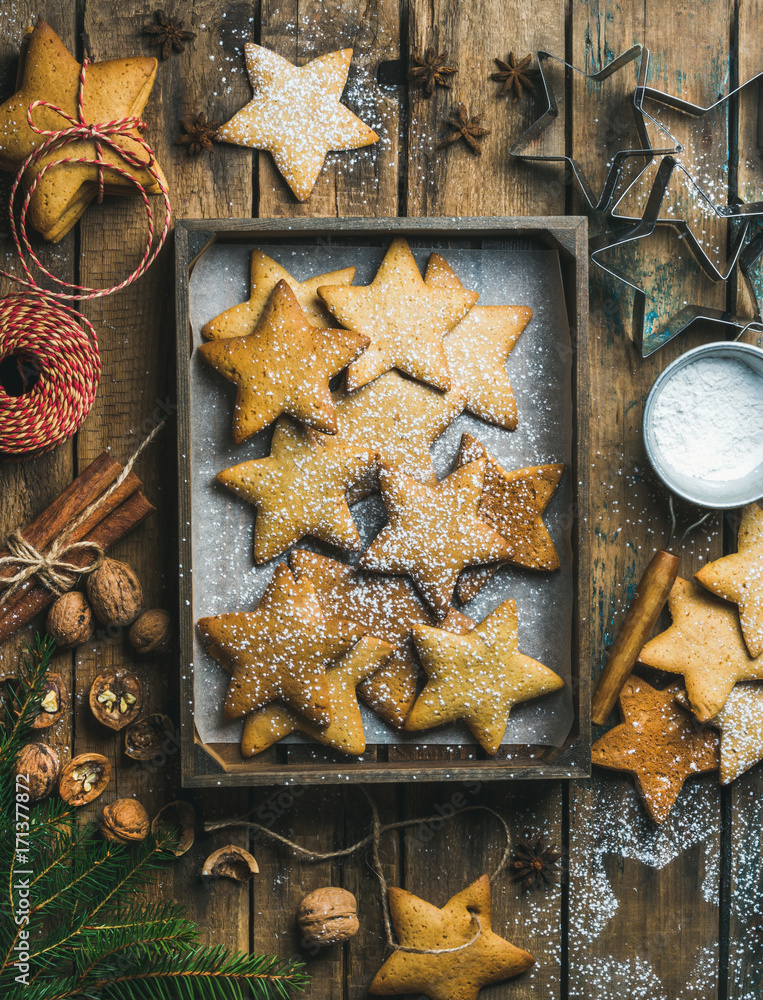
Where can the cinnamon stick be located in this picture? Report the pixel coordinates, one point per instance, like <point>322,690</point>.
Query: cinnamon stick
<point>48,525</point>
<point>125,489</point>
<point>107,533</point>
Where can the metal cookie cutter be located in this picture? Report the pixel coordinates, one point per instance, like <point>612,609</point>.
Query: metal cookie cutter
<point>698,111</point>
<point>686,231</point>
<point>649,340</point>
<point>600,201</point>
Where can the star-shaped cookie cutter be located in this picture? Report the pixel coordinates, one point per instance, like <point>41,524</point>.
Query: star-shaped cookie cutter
<point>600,202</point>
<point>652,341</point>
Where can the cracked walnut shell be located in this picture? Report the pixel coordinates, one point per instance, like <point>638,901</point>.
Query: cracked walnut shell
<point>53,703</point>
<point>115,593</point>
<point>84,778</point>
<point>328,916</point>
<point>116,697</point>
<point>150,737</point>
<point>176,818</point>
<point>70,620</point>
<point>125,821</point>
<point>231,862</point>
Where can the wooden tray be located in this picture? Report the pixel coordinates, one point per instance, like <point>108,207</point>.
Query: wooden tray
<point>215,764</point>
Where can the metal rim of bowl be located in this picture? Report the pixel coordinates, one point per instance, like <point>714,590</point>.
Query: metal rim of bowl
<point>717,347</point>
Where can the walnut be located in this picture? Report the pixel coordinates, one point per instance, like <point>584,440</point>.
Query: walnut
<point>177,819</point>
<point>149,737</point>
<point>231,862</point>
<point>84,778</point>
<point>116,697</point>
<point>328,916</point>
<point>54,702</point>
<point>70,620</point>
<point>115,593</point>
<point>39,762</point>
<point>125,821</point>
<point>151,632</point>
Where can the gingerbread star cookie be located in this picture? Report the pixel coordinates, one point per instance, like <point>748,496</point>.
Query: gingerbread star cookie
<point>280,651</point>
<point>477,349</point>
<point>388,607</point>
<point>283,366</point>
<point>433,532</point>
<point>448,974</point>
<point>345,731</point>
<point>118,88</point>
<point>706,645</point>
<point>300,489</point>
<point>513,503</point>
<point>404,318</point>
<point>739,577</point>
<point>399,419</point>
<point>477,677</point>
<point>658,743</point>
<point>295,113</point>
<point>741,724</point>
<point>265,274</point>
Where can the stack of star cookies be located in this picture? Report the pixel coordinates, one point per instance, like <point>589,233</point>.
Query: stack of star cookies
<point>714,720</point>
<point>412,353</point>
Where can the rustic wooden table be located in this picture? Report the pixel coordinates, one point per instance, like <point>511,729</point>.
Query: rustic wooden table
<point>672,913</point>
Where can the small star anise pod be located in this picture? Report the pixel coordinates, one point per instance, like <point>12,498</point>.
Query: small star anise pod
<point>463,127</point>
<point>199,134</point>
<point>168,33</point>
<point>514,75</point>
<point>535,864</point>
<point>431,70</point>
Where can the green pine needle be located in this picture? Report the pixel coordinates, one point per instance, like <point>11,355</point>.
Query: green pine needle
<point>93,935</point>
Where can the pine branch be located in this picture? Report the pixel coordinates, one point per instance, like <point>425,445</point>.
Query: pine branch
<point>20,702</point>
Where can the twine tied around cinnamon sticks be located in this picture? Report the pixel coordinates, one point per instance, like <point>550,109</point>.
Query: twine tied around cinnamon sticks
<point>374,840</point>
<point>54,569</point>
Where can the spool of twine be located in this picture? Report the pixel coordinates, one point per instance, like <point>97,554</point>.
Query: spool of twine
<point>39,331</point>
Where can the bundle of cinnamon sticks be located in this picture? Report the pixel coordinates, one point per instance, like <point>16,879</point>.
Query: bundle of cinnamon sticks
<point>106,525</point>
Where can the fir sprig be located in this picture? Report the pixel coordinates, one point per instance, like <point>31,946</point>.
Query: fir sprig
<point>93,934</point>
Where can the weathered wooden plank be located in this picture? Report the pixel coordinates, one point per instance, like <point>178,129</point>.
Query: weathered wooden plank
<point>612,947</point>
<point>27,488</point>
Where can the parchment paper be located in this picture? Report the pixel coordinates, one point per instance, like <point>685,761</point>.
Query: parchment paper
<point>540,368</point>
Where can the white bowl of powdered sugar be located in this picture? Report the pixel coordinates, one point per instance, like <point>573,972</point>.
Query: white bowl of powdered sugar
<point>703,425</point>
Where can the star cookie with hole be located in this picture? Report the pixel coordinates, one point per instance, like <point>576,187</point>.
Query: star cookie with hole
<point>739,577</point>
<point>116,89</point>
<point>265,273</point>
<point>283,366</point>
<point>477,349</point>
<point>478,677</point>
<point>296,114</point>
<point>388,607</point>
<point>300,489</point>
<point>658,742</point>
<point>464,923</point>
<point>280,651</point>
<point>404,318</point>
<point>513,503</point>
<point>345,731</point>
<point>399,419</point>
<point>433,532</point>
<point>706,645</point>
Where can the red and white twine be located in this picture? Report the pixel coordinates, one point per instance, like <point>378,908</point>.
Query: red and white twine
<point>37,324</point>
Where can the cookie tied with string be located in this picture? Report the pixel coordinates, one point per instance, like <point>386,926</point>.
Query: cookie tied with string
<point>296,114</point>
<point>456,950</point>
<point>283,366</point>
<point>114,90</point>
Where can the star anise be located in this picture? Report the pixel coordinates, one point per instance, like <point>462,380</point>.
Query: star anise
<point>431,70</point>
<point>535,864</point>
<point>463,127</point>
<point>514,75</point>
<point>168,33</point>
<point>199,134</point>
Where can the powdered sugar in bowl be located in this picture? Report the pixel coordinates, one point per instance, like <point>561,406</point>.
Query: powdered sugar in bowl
<point>703,425</point>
